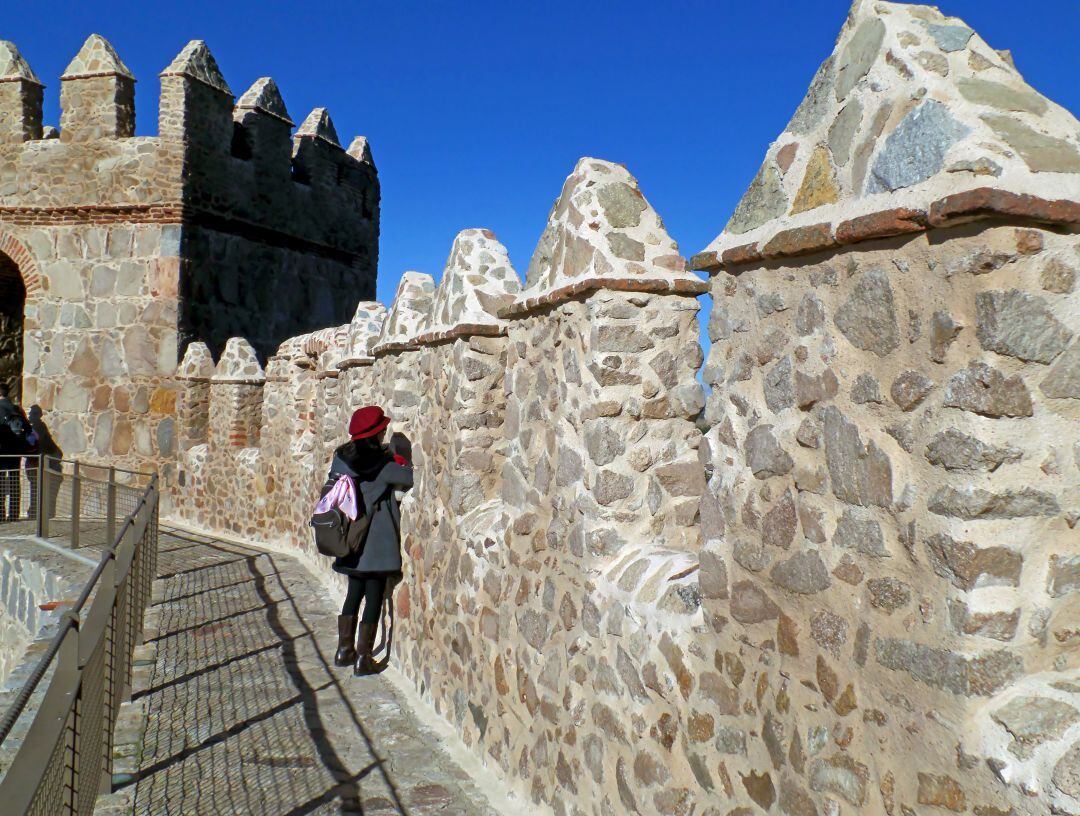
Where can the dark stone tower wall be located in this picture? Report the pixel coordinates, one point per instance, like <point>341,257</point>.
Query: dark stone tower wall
<point>280,233</point>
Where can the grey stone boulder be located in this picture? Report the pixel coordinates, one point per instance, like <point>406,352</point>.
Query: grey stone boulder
<point>950,37</point>
<point>916,149</point>
<point>1033,721</point>
<point>622,204</point>
<point>860,474</point>
<point>910,389</point>
<point>868,317</point>
<point>976,503</point>
<point>858,531</point>
<point>778,387</point>
<point>1066,775</point>
<point>1041,153</point>
<point>1003,97</point>
<point>984,390</point>
<point>943,331</point>
<point>804,573</point>
<point>764,455</point>
<point>1062,381</point>
<point>763,201</point>
<point>1020,325</point>
<point>859,55</point>
<point>955,450</point>
<point>816,102</point>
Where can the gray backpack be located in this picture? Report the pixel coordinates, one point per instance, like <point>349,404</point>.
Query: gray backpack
<point>335,535</point>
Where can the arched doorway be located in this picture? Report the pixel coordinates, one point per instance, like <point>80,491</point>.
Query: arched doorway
<point>12,307</point>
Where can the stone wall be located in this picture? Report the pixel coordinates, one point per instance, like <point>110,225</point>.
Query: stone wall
<point>129,248</point>
<point>849,584</point>
<point>894,465</point>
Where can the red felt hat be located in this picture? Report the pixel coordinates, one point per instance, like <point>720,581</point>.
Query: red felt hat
<point>367,421</point>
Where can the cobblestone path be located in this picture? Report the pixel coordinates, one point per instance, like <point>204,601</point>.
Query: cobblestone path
<point>238,708</point>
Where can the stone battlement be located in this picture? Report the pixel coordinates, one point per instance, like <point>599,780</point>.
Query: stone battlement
<point>214,158</point>
<point>847,583</point>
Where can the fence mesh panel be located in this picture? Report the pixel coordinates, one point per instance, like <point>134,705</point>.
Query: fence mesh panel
<point>90,759</point>
<point>80,506</point>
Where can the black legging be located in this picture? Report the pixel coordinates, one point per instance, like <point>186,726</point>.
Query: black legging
<point>372,588</point>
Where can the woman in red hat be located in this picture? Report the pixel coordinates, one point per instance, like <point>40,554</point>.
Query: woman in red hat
<point>377,473</point>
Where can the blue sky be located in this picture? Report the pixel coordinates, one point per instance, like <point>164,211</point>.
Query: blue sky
<point>477,112</point>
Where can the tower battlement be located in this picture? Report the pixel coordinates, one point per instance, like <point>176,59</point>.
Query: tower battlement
<point>214,154</point>
<point>230,222</point>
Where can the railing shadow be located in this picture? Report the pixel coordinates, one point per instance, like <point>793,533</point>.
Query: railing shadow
<point>279,610</point>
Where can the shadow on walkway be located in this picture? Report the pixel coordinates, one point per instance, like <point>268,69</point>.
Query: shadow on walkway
<point>245,713</point>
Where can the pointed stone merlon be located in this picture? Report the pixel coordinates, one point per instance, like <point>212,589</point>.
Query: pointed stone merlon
<point>236,392</point>
<point>317,152</point>
<point>326,348</point>
<point>292,352</point>
<point>193,398</point>
<point>364,331</point>
<point>97,94</point>
<point>21,94</point>
<point>262,128</point>
<point>238,364</point>
<point>912,122</point>
<point>361,150</point>
<point>263,97</point>
<point>477,282</point>
<point>197,364</point>
<point>602,234</point>
<point>196,102</point>
<point>410,314</point>
<point>319,159</point>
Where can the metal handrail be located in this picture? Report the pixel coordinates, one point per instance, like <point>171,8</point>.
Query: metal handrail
<point>94,638</point>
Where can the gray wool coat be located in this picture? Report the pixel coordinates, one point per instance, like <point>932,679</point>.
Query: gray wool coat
<point>380,549</point>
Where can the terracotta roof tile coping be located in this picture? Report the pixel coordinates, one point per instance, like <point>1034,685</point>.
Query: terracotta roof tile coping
<point>565,293</point>
<point>355,362</point>
<point>972,205</point>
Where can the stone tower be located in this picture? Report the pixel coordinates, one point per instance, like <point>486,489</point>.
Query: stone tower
<point>117,251</point>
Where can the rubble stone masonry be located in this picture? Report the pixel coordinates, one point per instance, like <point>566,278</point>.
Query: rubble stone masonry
<point>841,577</point>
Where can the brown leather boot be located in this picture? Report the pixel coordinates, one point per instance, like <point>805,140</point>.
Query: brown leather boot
<point>366,642</point>
<point>346,634</point>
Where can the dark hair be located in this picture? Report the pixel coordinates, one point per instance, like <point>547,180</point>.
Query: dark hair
<point>365,456</point>
<point>361,449</point>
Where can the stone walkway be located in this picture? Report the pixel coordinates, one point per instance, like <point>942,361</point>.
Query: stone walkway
<point>238,709</point>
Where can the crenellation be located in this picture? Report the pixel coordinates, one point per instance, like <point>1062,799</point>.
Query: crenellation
<point>360,150</point>
<point>21,97</point>
<point>193,398</point>
<point>861,538</point>
<point>97,95</point>
<point>262,135</point>
<point>318,159</point>
<point>845,581</point>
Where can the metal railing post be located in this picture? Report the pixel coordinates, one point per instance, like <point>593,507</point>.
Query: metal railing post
<point>110,508</point>
<point>42,512</point>
<point>76,491</point>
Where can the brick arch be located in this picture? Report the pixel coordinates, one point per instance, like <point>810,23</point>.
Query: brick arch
<point>24,260</point>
